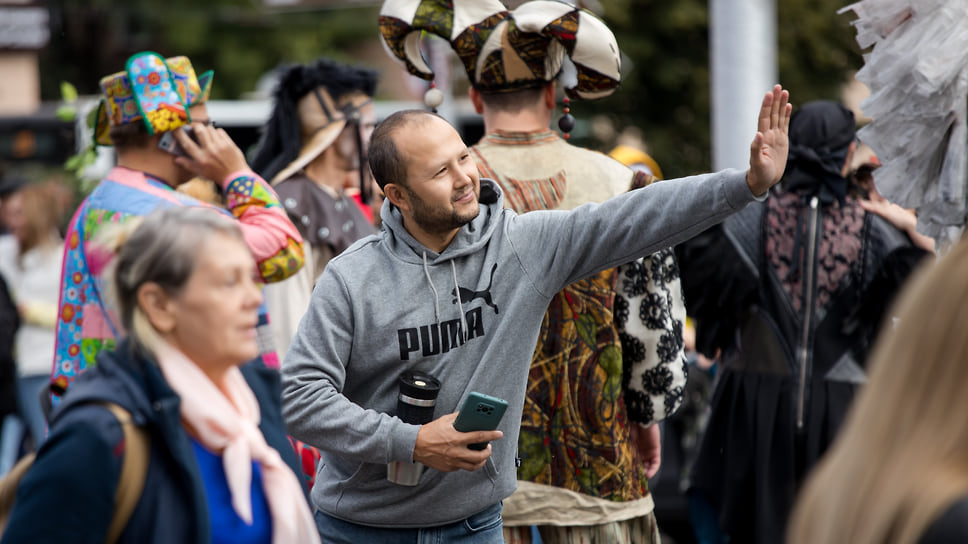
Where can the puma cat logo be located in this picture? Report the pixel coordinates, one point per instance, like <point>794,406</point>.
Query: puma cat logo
<point>467,295</point>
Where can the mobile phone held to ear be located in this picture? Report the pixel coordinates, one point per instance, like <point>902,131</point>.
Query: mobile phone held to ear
<point>480,412</point>
<point>169,143</point>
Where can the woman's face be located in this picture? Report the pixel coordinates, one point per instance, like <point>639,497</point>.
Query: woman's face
<point>216,314</point>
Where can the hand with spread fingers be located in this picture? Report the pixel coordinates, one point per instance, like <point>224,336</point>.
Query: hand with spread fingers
<point>212,154</point>
<point>768,152</point>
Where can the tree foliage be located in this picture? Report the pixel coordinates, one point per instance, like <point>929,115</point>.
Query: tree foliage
<point>665,92</point>
<point>239,39</point>
<point>666,85</point>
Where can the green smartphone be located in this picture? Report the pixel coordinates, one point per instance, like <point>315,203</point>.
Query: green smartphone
<point>480,412</point>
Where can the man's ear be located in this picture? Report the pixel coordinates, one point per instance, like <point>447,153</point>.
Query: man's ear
<point>157,307</point>
<point>476,99</point>
<point>397,196</point>
<point>548,96</point>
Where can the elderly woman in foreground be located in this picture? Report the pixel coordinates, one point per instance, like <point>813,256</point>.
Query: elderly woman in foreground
<point>219,467</point>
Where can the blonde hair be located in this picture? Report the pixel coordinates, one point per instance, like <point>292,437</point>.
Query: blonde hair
<point>160,248</point>
<point>901,458</point>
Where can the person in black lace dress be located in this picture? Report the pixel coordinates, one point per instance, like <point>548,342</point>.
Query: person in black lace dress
<point>792,291</point>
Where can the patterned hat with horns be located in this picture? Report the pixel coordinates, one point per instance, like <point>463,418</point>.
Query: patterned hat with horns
<point>153,90</point>
<point>507,50</point>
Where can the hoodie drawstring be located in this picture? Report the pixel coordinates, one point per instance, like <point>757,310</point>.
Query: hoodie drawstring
<point>432,288</point>
<point>460,307</point>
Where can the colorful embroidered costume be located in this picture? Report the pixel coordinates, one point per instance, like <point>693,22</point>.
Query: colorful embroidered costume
<point>156,93</point>
<point>85,323</point>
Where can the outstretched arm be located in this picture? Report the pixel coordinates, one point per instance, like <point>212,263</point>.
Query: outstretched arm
<point>768,152</point>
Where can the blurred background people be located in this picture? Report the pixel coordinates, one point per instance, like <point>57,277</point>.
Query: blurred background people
<point>313,146</point>
<point>790,291</point>
<point>11,426</point>
<point>33,276</point>
<point>220,466</point>
<point>898,471</point>
<point>636,159</point>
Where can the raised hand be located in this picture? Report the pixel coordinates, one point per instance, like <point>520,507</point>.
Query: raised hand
<point>768,152</point>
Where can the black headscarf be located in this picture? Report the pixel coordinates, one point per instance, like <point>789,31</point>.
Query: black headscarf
<point>820,135</point>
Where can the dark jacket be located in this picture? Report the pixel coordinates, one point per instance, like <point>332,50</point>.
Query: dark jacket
<point>9,323</point>
<point>68,494</point>
<point>951,526</point>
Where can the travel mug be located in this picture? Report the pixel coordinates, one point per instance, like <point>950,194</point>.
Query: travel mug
<point>415,404</point>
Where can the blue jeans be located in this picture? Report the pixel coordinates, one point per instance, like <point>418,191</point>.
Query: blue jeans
<point>481,528</point>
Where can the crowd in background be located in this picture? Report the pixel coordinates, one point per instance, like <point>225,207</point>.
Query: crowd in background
<point>251,317</point>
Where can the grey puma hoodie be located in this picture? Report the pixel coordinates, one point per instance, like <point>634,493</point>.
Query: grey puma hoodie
<point>469,316</point>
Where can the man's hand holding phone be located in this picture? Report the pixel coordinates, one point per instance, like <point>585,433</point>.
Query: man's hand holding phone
<point>480,412</point>
<point>442,447</point>
<point>208,152</point>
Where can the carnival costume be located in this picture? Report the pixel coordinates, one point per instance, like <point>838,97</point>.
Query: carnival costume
<point>917,73</point>
<point>157,92</point>
<point>603,362</point>
<point>314,104</point>
<point>791,292</point>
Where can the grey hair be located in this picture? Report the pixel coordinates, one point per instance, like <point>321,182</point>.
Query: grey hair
<point>161,248</point>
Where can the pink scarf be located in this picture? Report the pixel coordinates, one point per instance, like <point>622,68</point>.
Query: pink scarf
<point>226,419</point>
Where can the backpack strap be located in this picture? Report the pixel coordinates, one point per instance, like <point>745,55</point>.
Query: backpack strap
<point>134,470</point>
<point>131,482</point>
<point>8,488</point>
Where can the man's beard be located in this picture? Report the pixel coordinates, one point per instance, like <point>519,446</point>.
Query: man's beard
<point>438,219</point>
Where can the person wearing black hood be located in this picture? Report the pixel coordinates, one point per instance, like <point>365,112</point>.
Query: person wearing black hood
<point>792,291</point>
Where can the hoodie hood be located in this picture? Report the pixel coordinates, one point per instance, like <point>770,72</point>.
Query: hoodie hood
<point>471,237</point>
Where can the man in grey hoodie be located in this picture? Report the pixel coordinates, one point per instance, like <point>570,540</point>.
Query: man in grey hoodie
<point>455,286</point>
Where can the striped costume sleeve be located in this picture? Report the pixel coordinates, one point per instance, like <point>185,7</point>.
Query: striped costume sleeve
<point>273,239</point>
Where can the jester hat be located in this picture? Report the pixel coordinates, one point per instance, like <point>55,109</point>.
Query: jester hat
<point>505,50</point>
<point>153,90</point>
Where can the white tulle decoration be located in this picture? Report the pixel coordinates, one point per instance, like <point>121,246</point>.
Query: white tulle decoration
<point>917,72</point>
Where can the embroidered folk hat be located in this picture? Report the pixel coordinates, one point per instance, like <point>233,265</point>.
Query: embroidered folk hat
<point>313,103</point>
<point>153,90</point>
<point>505,50</point>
